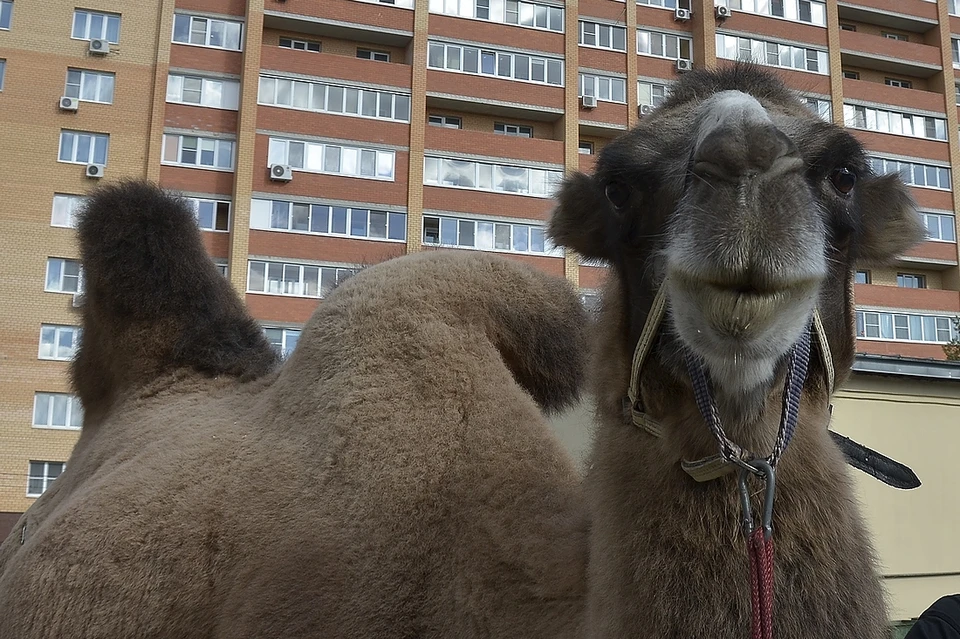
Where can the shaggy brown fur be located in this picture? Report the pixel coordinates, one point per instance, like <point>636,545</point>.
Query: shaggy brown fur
<point>393,478</point>
<point>668,558</point>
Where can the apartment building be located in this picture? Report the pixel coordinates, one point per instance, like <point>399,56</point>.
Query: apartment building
<point>317,136</point>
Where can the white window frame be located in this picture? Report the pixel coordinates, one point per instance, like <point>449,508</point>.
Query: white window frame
<point>593,84</point>
<point>6,9</point>
<point>866,118</point>
<point>822,107</point>
<point>89,16</point>
<point>518,13</point>
<point>791,10</point>
<point>321,218</point>
<point>513,130</point>
<point>788,56</point>
<point>663,45</point>
<point>402,4</point>
<point>313,46</point>
<point>70,405</point>
<point>938,327</point>
<point>213,93</point>
<point>3,72</point>
<point>333,98</point>
<point>207,31</point>
<point>56,330</point>
<point>592,34</point>
<point>539,182</point>
<point>515,230</point>
<point>445,121</point>
<point>908,172</point>
<point>454,58</point>
<point>292,282</point>
<point>62,282</point>
<point>654,88</point>
<point>74,142</point>
<point>65,207</point>
<point>898,82</point>
<point>46,478</point>
<point>943,221</point>
<point>373,55</point>
<point>280,339</point>
<point>911,280</point>
<point>101,81</point>
<point>585,147</point>
<point>196,203</point>
<point>279,153</point>
<point>219,150</point>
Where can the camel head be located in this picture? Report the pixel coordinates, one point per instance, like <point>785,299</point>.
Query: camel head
<point>752,212</point>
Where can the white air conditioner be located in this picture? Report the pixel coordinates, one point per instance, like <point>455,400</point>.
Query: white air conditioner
<point>281,173</point>
<point>588,101</point>
<point>644,109</point>
<point>99,46</point>
<point>722,11</point>
<point>95,170</point>
<point>680,14</point>
<point>684,66</point>
<point>69,104</point>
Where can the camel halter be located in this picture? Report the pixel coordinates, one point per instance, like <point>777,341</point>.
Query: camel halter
<point>730,455</point>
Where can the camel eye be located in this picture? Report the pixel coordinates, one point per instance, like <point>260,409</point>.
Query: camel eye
<point>618,194</point>
<point>843,180</point>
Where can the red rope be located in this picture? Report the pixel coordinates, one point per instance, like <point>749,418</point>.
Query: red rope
<point>761,584</point>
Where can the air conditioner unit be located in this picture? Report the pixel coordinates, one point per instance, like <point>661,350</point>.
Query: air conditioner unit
<point>281,173</point>
<point>681,15</point>
<point>644,109</point>
<point>588,101</point>
<point>722,11</point>
<point>69,104</point>
<point>99,46</point>
<point>95,170</point>
<point>684,66</point>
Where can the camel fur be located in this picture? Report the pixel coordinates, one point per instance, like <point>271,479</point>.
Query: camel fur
<point>395,477</point>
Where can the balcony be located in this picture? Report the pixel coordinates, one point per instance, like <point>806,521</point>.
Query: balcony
<point>341,67</point>
<point>918,16</point>
<point>890,56</point>
<point>493,145</point>
<point>922,300</point>
<point>366,22</point>
<point>876,93</point>
<point>931,256</point>
<point>473,94</point>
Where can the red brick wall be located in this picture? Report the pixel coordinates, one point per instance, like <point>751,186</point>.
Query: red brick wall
<point>186,116</point>
<point>483,203</point>
<point>300,246</point>
<point>186,56</point>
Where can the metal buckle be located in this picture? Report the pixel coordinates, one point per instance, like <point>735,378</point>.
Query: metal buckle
<point>762,469</point>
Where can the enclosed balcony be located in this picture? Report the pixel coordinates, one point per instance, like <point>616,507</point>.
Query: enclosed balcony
<point>890,56</point>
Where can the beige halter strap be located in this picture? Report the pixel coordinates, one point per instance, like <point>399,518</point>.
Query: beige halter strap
<point>716,465</point>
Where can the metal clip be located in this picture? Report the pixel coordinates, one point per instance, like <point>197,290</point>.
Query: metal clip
<point>763,469</point>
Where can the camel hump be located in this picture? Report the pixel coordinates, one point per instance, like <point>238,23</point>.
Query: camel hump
<point>153,299</point>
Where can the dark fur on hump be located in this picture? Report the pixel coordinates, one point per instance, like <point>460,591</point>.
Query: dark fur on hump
<point>154,301</point>
<point>742,76</point>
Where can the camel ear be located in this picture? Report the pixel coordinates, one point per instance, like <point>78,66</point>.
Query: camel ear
<point>890,221</point>
<point>582,218</point>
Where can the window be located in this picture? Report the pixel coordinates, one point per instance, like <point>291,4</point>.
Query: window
<point>369,54</point>
<point>664,45</point>
<point>446,121</point>
<point>905,327</point>
<point>603,88</point>
<point>651,93</point>
<point>90,25</point>
<point>484,176</point>
<point>208,92</point>
<point>895,36</point>
<point>511,66</point>
<point>486,235</point>
<point>6,13</point>
<point>3,71</point>
<point>940,227</point>
<point>898,123</point>
<point>222,268</point>
<point>283,340</point>
<point>585,148</point>
<point>90,86</point>
<point>861,277</point>
<point>57,410</point>
<point>326,219</point>
<point>956,89</point>
<point>523,14</point>
<point>953,7</point>
<point>847,27</point>
<point>516,130</point>
<point>297,280</point>
<point>896,82</point>
<point>809,11</point>
<point>337,159</point>
<point>773,54</point>
<point>910,280</point>
<point>63,276</point>
<point>212,215</point>
<point>823,108</point>
<point>913,173</point>
<point>197,152</point>
<point>80,147</point>
<point>590,300</point>
<point>206,32</point>
<point>58,342</point>
<point>65,209</point>
<point>334,98</point>
<point>42,474</point>
<point>395,3</point>
<point>955,47</point>
<point>851,75</point>
<point>300,45</point>
<point>603,36</point>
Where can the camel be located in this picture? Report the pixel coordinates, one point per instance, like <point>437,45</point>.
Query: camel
<point>738,218</point>
<point>395,476</point>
